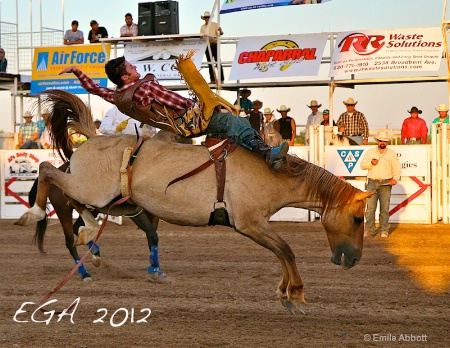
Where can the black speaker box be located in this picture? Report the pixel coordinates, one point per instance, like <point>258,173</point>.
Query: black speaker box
<point>146,13</point>
<point>166,17</point>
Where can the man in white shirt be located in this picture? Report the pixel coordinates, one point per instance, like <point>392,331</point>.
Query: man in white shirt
<point>116,123</point>
<point>384,172</point>
<point>314,118</point>
<point>214,30</point>
<point>74,36</point>
<point>130,28</point>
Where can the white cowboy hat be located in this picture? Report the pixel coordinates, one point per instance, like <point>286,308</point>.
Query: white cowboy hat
<point>284,108</point>
<point>205,15</point>
<point>383,136</point>
<point>45,112</point>
<point>314,103</point>
<point>27,114</point>
<point>267,111</point>
<point>350,101</point>
<point>242,113</point>
<point>442,107</point>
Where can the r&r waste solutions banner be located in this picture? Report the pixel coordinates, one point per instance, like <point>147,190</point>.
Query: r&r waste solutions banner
<point>242,5</point>
<point>49,61</point>
<point>374,51</point>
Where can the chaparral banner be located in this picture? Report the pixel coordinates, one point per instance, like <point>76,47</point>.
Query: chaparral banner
<point>49,61</point>
<point>368,51</point>
<point>278,56</point>
<point>158,58</point>
<point>242,5</point>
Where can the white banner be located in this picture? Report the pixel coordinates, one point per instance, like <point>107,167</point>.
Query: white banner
<point>243,5</point>
<point>368,51</point>
<point>346,161</point>
<point>158,58</point>
<point>278,56</point>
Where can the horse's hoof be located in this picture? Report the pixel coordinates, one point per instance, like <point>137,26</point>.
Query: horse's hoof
<point>26,219</point>
<point>87,279</point>
<point>294,307</point>
<point>156,275</point>
<point>96,260</point>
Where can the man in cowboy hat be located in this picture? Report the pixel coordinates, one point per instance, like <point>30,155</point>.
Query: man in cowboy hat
<point>384,171</point>
<point>211,29</point>
<point>245,103</point>
<point>288,128</point>
<point>255,116</point>
<point>353,123</point>
<point>443,114</point>
<point>414,128</point>
<point>314,118</point>
<point>42,123</point>
<point>272,134</point>
<point>28,133</point>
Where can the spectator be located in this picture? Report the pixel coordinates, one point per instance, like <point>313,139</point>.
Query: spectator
<point>443,114</point>
<point>116,122</point>
<point>414,128</point>
<point>130,28</point>
<point>314,118</point>
<point>383,172</point>
<point>214,30</point>
<point>97,123</point>
<point>272,134</point>
<point>245,103</point>
<point>353,123</point>
<point>3,61</point>
<point>45,140</point>
<point>28,133</point>
<point>255,117</point>
<point>74,36</point>
<point>42,123</point>
<point>288,127</point>
<point>326,118</point>
<point>96,32</point>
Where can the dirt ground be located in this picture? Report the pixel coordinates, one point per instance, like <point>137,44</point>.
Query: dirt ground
<point>221,290</point>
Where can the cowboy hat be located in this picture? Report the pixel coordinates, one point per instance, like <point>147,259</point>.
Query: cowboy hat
<point>383,136</point>
<point>350,101</point>
<point>284,108</point>
<point>206,15</point>
<point>442,107</point>
<point>45,112</point>
<point>242,113</point>
<point>414,109</point>
<point>267,111</point>
<point>314,103</point>
<point>27,114</point>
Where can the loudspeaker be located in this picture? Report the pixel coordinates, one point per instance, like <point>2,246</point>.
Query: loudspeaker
<point>146,13</point>
<point>166,17</point>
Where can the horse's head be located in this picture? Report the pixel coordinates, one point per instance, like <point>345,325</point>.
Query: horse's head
<point>344,225</point>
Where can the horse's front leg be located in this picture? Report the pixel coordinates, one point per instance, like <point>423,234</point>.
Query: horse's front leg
<point>290,289</point>
<point>37,211</point>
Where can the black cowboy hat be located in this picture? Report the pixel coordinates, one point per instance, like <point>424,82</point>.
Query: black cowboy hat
<point>414,109</point>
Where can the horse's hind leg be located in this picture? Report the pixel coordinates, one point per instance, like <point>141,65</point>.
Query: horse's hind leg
<point>90,229</point>
<point>95,248</point>
<point>290,289</point>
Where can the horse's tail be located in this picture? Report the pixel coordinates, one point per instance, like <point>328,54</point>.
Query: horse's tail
<point>67,112</point>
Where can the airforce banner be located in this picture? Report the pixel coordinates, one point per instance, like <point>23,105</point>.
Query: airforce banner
<point>49,61</point>
<point>278,56</point>
<point>242,5</point>
<point>369,51</point>
<point>158,58</point>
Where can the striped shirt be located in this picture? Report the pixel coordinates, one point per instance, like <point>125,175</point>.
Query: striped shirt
<point>355,124</point>
<point>148,92</point>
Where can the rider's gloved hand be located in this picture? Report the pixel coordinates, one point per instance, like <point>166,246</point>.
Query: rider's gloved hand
<point>121,126</point>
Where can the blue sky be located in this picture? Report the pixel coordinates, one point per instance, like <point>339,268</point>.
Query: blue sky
<point>382,104</point>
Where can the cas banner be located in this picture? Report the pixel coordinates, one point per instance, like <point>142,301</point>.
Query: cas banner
<point>243,5</point>
<point>369,51</point>
<point>158,58</point>
<point>278,56</point>
<point>49,61</point>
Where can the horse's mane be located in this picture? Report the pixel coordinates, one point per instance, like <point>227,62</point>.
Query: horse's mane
<point>318,183</point>
<point>67,112</point>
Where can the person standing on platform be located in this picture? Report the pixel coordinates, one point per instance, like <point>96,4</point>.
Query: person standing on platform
<point>288,127</point>
<point>74,36</point>
<point>28,133</point>
<point>314,118</point>
<point>255,117</point>
<point>443,114</point>
<point>353,123</point>
<point>326,119</point>
<point>3,61</point>
<point>384,171</point>
<point>96,32</point>
<point>414,128</point>
<point>129,29</point>
<point>42,123</point>
<point>214,30</point>
<point>272,134</point>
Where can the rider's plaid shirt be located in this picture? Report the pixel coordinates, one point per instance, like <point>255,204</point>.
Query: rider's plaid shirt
<point>147,93</point>
<point>355,124</point>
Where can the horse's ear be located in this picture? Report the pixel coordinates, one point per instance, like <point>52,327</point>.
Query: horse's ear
<point>360,196</point>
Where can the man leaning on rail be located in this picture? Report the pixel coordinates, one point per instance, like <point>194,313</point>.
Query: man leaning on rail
<point>151,103</point>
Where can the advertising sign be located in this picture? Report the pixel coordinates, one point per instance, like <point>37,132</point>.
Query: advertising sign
<point>49,61</point>
<point>243,5</point>
<point>371,51</point>
<point>158,58</point>
<point>278,56</point>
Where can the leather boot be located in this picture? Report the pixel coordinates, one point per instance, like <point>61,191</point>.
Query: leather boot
<point>274,155</point>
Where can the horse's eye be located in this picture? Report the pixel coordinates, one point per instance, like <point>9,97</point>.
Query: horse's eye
<point>358,220</point>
